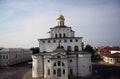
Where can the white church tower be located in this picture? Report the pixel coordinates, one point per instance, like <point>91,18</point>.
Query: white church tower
<point>61,55</point>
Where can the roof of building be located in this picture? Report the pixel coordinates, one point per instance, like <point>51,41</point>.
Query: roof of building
<point>13,50</point>
<point>59,49</point>
<point>61,38</point>
<point>59,27</point>
<point>108,49</point>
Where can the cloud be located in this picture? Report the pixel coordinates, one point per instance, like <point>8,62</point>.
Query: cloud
<point>25,39</point>
<point>25,21</point>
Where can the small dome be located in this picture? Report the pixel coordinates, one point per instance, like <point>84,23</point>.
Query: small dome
<point>60,17</point>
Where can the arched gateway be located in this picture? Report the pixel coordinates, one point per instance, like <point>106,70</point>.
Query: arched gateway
<point>60,54</point>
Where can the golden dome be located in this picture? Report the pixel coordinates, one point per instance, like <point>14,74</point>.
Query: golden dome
<point>60,17</point>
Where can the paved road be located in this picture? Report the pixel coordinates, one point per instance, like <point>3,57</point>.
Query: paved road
<point>22,71</point>
<point>14,72</point>
<point>107,71</point>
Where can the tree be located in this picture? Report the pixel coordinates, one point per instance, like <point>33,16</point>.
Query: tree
<point>90,49</point>
<point>35,50</point>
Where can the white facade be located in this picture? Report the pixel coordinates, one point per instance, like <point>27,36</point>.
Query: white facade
<point>60,32</point>
<point>114,51</point>
<point>37,66</point>
<point>61,55</point>
<point>111,58</point>
<point>10,56</point>
<point>50,44</point>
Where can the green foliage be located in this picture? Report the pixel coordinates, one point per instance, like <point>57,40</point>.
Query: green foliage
<point>35,50</point>
<point>90,49</point>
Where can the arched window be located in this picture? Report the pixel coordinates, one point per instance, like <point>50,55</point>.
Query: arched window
<point>60,35</point>
<point>55,35</point>
<point>58,63</point>
<point>63,64</point>
<point>63,71</point>
<point>59,72</point>
<point>55,64</point>
<point>70,40</point>
<point>69,48</point>
<point>64,35</point>
<point>54,71</point>
<point>60,23</point>
<point>76,48</point>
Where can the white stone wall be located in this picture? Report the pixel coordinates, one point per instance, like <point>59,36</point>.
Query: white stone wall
<point>84,65</point>
<point>47,65</point>
<point>37,66</point>
<point>64,30</point>
<point>4,59</point>
<point>11,56</point>
<point>65,67</point>
<point>48,47</point>
<point>72,64</point>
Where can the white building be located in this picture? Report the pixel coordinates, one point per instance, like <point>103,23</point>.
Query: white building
<point>111,58</point>
<point>61,54</point>
<point>11,56</point>
<point>114,51</point>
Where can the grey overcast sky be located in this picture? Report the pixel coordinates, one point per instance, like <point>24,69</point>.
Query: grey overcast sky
<point>22,22</point>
